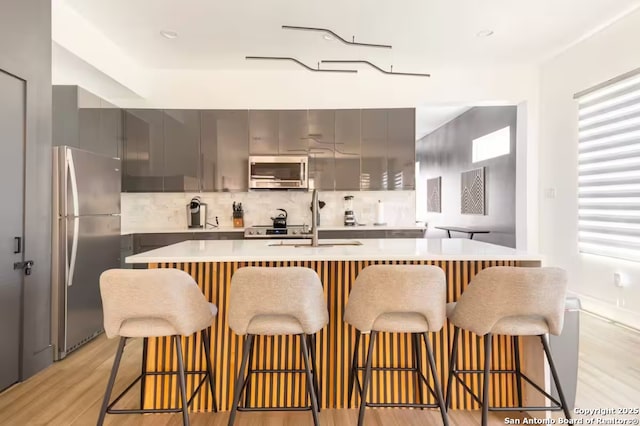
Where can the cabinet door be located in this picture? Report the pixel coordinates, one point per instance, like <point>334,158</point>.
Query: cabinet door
<point>401,148</point>
<point>294,132</point>
<point>143,160</point>
<point>232,144</point>
<point>263,132</point>
<point>65,115</point>
<point>347,149</point>
<point>111,130</point>
<point>373,168</point>
<point>208,150</point>
<point>321,148</point>
<point>89,112</point>
<point>181,150</point>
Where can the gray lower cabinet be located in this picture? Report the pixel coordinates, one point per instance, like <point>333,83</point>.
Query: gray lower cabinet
<point>372,233</point>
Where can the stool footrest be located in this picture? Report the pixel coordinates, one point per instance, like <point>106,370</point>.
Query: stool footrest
<point>305,408</point>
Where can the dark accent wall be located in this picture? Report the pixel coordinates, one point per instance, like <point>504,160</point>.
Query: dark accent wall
<point>448,151</point>
<point>25,51</point>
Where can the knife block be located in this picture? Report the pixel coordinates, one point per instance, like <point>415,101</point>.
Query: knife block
<point>238,220</point>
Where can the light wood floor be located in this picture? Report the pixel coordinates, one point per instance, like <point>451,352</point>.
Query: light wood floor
<point>70,392</point>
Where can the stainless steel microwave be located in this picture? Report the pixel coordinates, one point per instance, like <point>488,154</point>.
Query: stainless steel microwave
<point>278,172</point>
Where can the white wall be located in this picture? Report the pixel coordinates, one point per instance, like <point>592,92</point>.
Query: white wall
<point>605,55</point>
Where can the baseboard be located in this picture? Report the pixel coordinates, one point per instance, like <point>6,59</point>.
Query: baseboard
<point>611,312</point>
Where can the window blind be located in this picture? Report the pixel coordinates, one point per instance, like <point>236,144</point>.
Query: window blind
<point>609,169</point>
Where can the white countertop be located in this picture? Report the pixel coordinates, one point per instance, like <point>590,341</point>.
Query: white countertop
<point>371,249</point>
<point>127,231</point>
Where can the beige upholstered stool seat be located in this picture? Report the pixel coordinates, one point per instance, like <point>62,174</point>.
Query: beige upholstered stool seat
<point>153,303</point>
<point>156,303</point>
<point>273,325</point>
<point>397,299</point>
<point>401,322</point>
<point>509,301</point>
<point>267,301</point>
<point>158,327</point>
<point>515,325</point>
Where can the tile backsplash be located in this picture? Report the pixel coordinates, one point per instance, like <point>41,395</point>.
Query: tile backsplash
<point>168,210</point>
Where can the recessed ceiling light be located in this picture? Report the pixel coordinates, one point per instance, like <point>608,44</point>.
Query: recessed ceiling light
<point>169,34</point>
<point>328,37</point>
<point>484,33</point>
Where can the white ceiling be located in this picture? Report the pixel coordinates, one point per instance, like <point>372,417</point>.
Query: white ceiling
<point>424,33</point>
<point>429,118</point>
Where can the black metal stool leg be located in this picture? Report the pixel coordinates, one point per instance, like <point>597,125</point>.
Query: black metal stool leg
<point>554,373</point>
<point>181,381</point>
<point>436,381</point>
<point>206,344</point>
<point>417,364</point>
<point>248,344</point>
<point>452,366</point>
<point>247,388</point>
<point>485,378</point>
<point>143,380</point>
<point>310,385</point>
<point>112,380</point>
<point>354,364</point>
<point>314,367</point>
<point>367,378</point>
<point>516,358</point>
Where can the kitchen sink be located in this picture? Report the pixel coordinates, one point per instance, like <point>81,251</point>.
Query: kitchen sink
<point>345,243</point>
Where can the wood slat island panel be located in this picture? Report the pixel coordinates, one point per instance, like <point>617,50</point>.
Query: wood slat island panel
<point>334,346</point>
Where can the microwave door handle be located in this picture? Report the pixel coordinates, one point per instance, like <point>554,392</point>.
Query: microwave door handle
<point>302,173</point>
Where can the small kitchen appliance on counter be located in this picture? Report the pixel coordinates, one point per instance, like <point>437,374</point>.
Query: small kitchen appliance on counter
<point>280,221</point>
<point>196,213</point>
<point>349,215</point>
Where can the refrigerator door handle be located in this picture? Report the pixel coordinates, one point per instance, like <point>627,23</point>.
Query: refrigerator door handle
<point>71,260</point>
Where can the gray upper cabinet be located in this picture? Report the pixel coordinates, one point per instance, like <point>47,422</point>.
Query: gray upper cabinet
<point>143,160</point>
<point>181,150</point>
<point>83,120</point>
<point>347,149</point>
<point>293,132</point>
<point>321,134</point>
<point>401,148</point>
<point>263,132</point>
<point>373,166</point>
<point>225,150</point>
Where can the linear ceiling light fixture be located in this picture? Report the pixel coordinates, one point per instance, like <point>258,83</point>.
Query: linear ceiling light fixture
<point>302,64</point>
<point>328,31</point>
<point>360,61</point>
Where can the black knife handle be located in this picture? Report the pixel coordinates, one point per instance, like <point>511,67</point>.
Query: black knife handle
<point>18,246</point>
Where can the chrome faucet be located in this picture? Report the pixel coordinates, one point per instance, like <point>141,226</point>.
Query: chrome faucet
<point>315,208</point>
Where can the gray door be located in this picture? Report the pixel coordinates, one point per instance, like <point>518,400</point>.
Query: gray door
<point>12,106</point>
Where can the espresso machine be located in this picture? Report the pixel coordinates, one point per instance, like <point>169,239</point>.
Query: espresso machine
<point>349,215</point>
<point>196,213</point>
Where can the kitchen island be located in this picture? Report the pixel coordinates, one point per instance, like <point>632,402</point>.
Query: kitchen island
<point>338,262</point>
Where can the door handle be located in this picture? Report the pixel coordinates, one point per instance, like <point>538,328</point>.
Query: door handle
<point>18,246</point>
<point>26,266</point>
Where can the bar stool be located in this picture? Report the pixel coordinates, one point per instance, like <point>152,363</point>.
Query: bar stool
<point>397,299</point>
<point>277,301</point>
<point>155,303</point>
<point>515,302</point>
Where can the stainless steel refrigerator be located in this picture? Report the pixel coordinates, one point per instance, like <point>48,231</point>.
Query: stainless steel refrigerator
<point>86,242</point>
